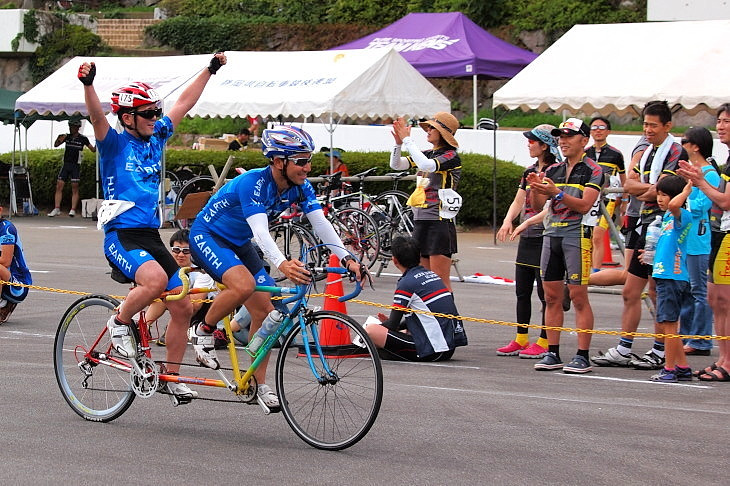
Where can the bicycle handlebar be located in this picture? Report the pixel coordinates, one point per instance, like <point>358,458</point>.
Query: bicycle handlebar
<point>297,292</point>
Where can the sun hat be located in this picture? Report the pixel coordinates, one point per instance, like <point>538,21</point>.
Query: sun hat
<point>446,124</point>
<point>334,153</point>
<point>542,133</point>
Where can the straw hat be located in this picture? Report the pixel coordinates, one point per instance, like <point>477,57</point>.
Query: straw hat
<point>446,124</point>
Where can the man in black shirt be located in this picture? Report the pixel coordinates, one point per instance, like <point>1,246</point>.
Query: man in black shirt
<point>75,143</point>
<point>241,140</point>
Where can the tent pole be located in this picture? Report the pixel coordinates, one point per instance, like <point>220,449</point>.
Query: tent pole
<point>474,99</point>
<point>332,140</point>
<point>494,175</point>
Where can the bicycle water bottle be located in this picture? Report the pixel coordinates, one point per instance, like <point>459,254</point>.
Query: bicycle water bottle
<point>268,327</point>
<point>652,236</point>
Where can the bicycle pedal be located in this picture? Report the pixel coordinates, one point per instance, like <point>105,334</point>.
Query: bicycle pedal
<point>267,410</point>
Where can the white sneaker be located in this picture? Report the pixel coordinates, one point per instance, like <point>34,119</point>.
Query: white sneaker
<point>612,358</point>
<point>72,213</point>
<point>267,395</point>
<point>181,390</point>
<point>122,338</point>
<point>55,212</point>
<point>204,346</point>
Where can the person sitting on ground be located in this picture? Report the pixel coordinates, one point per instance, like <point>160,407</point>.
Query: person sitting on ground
<point>75,143</point>
<point>428,338</point>
<point>13,269</point>
<point>241,140</point>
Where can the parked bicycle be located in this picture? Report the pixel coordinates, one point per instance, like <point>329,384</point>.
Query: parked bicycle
<point>330,395</point>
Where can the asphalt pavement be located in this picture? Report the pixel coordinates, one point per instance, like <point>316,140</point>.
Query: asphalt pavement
<point>477,419</point>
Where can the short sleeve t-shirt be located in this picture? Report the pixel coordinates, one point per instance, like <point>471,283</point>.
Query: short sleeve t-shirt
<point>421,289</point>
<point>561,221</point>
<point>253,192</point>
<point>74,146</point>
<point>446,176</point>
<point>130,171</point>
<point>609,158</point>
<point>670,260</point>
<point>698,241</point>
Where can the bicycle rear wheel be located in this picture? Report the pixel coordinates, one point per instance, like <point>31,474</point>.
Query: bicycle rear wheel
<point>359,234</point>
<point>194,185</point>
<point>393,216</point>
<point>335,411</point>
<point>96,391</point>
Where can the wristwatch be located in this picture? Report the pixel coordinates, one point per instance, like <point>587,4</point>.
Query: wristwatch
<point>559,196</point>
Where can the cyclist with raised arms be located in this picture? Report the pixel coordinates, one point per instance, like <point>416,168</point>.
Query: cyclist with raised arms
<point>220,239</point>
<point>131,174</point>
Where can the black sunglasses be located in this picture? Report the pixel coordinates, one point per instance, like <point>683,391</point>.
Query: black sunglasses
<point>685,140</point>
<point>178,249</point>
<point>148,114</point>
<point>300,161</point>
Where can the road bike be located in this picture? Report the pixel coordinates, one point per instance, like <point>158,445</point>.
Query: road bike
<point>330,394</point>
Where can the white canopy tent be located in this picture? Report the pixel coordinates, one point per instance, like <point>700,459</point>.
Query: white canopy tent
<point>354,83</point>
<point>685,63</point>
<point>325,84</point>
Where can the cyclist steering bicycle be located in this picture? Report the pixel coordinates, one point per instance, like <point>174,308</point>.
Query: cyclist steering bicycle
<point>220,239</point>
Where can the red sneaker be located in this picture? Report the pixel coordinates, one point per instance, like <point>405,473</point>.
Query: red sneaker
<point>512,349</point>
<point>533,351</point>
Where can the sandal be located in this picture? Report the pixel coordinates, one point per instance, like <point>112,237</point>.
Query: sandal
<point>725,376</point>
<point>705,371</point>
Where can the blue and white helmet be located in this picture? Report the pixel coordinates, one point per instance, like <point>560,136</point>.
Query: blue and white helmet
<point>285,141</point>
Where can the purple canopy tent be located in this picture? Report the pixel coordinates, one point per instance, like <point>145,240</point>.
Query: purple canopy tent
<point>448,45</point>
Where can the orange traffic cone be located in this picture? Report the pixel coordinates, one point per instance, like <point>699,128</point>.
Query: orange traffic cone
<point>332,333</point>
<point>607,256</point>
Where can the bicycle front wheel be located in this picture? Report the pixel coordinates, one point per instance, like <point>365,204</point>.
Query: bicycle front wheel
<point>94,384</point>
<point>330,408</point>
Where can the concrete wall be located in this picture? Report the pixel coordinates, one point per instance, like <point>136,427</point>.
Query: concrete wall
<point>12,22</point>
<point>663,10</point>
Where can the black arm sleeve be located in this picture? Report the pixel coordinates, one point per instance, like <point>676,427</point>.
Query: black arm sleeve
<point>393,322</point>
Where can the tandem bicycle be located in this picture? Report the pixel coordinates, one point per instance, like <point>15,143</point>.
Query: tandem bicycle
<point>329,394</point>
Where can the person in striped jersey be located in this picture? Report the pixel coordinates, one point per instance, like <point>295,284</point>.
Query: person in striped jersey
<point>416,336</point>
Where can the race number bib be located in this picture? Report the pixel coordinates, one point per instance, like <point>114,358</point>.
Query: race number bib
<point>591,217</point>
<point>725,221</point>
<point>450,203</point>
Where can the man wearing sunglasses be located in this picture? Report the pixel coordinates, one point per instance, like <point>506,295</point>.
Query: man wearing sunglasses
<point>220,239</point>
<point>130,164</point>
<point>611,161</point>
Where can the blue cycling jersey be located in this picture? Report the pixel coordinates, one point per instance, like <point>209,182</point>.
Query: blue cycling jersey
<point>253,192</point>
<point>130,171</point>
<point>18,267</point>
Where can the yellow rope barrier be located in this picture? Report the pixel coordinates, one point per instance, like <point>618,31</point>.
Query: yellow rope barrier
<point>435,314</point>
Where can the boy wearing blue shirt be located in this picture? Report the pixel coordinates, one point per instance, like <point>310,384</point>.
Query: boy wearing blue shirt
<point>671,275</point>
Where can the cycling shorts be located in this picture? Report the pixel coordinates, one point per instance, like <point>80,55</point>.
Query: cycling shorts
<point>13,293</point>
<point>401,347</point>
<point>70,171</point>
<point>128,248</point>
<point>567,258</point>
<point>720,258</point>
<point>216,255</point>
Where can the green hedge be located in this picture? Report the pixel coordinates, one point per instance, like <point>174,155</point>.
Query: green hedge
<point>475,186</point>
